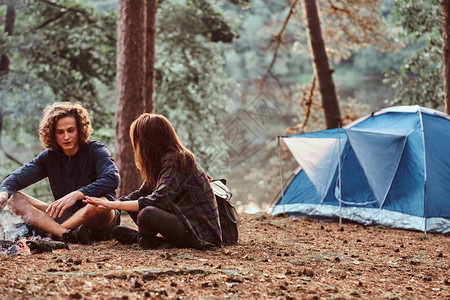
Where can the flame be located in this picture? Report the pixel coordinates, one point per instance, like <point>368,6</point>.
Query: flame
<point>25,248</point>
<point>59,250</point>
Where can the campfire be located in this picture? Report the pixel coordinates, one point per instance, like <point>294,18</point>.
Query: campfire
<point>18,238</point>
<point>10,247</point>
<point>32,245</point>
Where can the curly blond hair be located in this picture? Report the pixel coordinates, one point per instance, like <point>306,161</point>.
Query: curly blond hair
<point>58,110</point>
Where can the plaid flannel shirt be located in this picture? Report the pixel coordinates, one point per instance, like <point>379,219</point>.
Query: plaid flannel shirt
<point>188,195</point>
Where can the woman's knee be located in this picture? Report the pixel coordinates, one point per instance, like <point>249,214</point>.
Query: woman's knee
<point>148,215</point>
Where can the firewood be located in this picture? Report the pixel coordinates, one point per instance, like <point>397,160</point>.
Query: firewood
<point>39,246</point>
<point>4,244</point>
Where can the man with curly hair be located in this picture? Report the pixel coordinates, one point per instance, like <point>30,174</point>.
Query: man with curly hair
<point>76,167</point>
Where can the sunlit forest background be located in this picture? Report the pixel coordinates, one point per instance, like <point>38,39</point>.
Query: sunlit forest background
<point>211,87</point>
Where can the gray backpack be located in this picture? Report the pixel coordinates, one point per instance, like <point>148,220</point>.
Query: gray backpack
<point>229,218</point>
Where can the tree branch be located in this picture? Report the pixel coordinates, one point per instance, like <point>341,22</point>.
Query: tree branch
<point>306,105</point>
<point>1,145</point>
<point>65,10</point>
<point>10,157</point>
<point>366,26</point>
<point>58,16</point>
<point>278,39</point>
<point>279,85</point>
<point>83,12</point>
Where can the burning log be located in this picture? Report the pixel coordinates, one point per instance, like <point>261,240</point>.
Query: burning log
<point>14,249</point>
<point>32,246</point>
<point>39,246</point>
<point>11,248</point>
<point>6,244</point>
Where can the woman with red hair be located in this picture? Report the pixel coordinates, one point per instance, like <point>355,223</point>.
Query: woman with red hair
<point>175,204</point>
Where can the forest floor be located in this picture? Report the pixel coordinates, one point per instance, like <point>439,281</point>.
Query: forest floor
<point>277,257</point>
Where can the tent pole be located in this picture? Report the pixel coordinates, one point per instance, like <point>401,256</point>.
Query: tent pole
<point>281,173</point>
<point>339,155</point>
<point>425,174</point>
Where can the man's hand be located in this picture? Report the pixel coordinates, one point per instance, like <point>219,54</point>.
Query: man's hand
<point>101,202</point>
<point>3,200</point>
<point>57,208</point>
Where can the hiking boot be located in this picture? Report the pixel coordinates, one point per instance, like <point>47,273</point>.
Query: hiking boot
<point>125,235</point>
<point>79,235</point>
<point>154,242</point>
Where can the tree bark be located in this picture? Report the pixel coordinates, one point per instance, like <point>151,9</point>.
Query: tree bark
<point>10,20</point>
<point>446,52</point>
<point>321,65</point>
<point>9,30</point>
<point>130,86</point>
<point>152,7</point>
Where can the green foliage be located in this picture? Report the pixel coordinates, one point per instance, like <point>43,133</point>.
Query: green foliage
<point>191,87</point>
<point>59,51</point>
<point>240,2</point>
<point>370,62</point>
<point>213,22</point>
<point>253,50</point>
<point>105,5</point>
<point>347,33</point>
<point>420,80</point>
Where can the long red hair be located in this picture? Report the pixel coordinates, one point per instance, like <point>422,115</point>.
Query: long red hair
<point>152,136</point>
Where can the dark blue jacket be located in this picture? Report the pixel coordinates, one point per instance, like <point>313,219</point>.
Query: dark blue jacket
<point>91,171</point>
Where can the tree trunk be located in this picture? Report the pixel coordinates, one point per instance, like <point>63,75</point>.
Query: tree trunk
<point>10,20</point>
<point>130,86</point>
<point>446,32</point>
<point>9,29</point>
<point>321,65</point>
<point>152,7</point>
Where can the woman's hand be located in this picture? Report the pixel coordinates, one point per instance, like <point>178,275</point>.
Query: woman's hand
<point>57,208</point>
<point>100,202</point>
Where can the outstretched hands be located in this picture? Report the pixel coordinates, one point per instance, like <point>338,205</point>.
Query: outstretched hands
<point>3,200</point>
<point>57,208</point>
<point>100,202</point>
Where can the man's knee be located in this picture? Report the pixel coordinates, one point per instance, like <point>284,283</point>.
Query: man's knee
<point>92,211</point>
<point>21,203</point>
<point>17,203</point>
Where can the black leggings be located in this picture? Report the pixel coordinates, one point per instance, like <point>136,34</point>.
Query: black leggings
<point>152,220</point>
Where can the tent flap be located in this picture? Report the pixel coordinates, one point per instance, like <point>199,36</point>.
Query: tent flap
<point>318,157</point>
<point>379,155</point>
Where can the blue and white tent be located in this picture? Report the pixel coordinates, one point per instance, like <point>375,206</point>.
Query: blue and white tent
<point>391,167</point>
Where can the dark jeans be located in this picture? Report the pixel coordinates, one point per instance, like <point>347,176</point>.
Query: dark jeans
<point>152,220</point>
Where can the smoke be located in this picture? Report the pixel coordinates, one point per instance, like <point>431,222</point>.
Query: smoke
<point>11,226</point>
